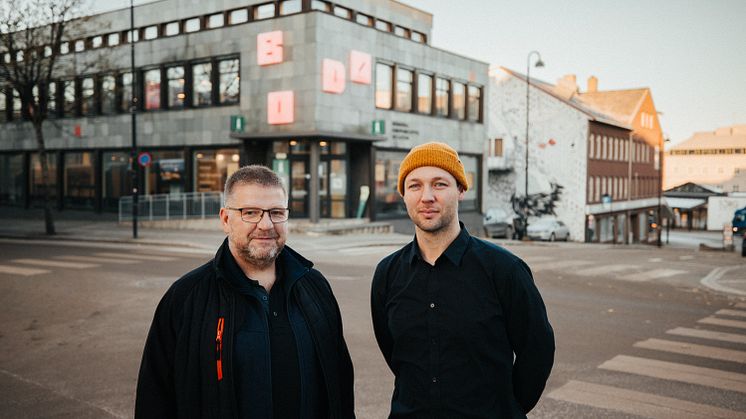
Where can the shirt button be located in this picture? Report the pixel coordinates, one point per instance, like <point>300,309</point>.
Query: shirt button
<point>275,313</point>
<point>435,379</point>
<point>433,341</point>
<point>432,305</point>
<point>264,297</point>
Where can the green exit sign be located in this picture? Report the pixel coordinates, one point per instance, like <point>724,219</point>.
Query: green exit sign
<point>378,127</point>
<point>238,123</point>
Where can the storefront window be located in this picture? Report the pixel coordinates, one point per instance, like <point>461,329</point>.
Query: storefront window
<point>404,80</point>
<point>176,93</point>
<point>459,100</point>
<point>424,93</point>
<point>11,179</point>
<point>229,81</point>
<point>213,167</point>
<point>384,80</point>
<point>37,190</point>
<point>442,91</point>
<point>79,183</point>
<point>166,174</point>
<point>388,201</point>
<point>115,178</point>
<point>300,147</point>
<point>152,89</point>
<point>338,188</point>
<point>471,167</point>
<point>202,87</point>
<point>108,94</point>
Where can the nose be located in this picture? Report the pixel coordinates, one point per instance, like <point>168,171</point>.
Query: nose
<point>427,194</point>
<point>265,223</point>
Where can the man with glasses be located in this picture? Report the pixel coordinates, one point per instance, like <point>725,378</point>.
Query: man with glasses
<point>254,333</point>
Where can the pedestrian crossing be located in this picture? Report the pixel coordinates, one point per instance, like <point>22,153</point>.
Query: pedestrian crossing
<point>591,268</point>
<point>718,337</point>
<point>27,267</point>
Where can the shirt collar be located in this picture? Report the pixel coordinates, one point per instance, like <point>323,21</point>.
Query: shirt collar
<point>454,252</point>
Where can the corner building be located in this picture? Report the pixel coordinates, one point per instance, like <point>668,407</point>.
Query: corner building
<point>332,95</point>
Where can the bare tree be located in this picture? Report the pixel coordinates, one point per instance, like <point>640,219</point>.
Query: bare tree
<point>31,33</point>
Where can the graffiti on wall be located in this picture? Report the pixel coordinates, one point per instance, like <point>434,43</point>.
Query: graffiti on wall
<point>537,204</point>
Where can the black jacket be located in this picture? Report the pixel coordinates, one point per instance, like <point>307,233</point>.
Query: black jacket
<point>179,371</point>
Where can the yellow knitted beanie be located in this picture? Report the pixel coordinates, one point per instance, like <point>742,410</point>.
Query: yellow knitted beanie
<point>433,154</point>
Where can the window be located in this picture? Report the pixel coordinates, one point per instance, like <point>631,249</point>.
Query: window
<point>418,37</point>
<point>342,12</point>
<point>133,36</point>
<point>176,95</point>
<point>383,25</point>
<point>202,84</point>
<point>264,11</point>
<point>112,39</point>
<point>496,147</point>
<point>166,174</point>
<point>459,100</point>
<point>324,6</point>
<point>68,97</point>
<point>38,192</point>
<point>87,105</point>
<point>97,41</point>
<point>364,19</point>
<point>52,99</point>
<point>442,93</point>
<point>64,48</point>
<point>471,196</point>
<point>108,94</point>
<point>171,29</point>
<point>229,81</point>
<point>591,141</point>
<point>79,45</point>
<point>211,168</point>
<point>290,6</point>
<point>384,80</point>
<point>215,21</point>
<point>151,32</point>
<point>152,86</point>
<point>399,31</point>
<point>126,94</point>
<point>192,25</point>
<point>388,202</point>
<point>238,16</point>
<point>16,108</point>
<point>404,80</point>
<point>3,107</point>
<point>115,178</point>
<point>78,180</point>
<point>473,110</point>
<point>12,184</point>
<point>47,51</point>
<point>424,93</point>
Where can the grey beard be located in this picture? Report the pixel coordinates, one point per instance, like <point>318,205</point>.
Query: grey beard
<point>260,261</point>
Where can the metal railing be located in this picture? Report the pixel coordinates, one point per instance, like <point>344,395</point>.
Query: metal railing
<point>181,206</point>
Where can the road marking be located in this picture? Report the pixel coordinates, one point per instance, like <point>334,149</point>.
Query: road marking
<point>711,280</point>
<point>723,322</point>
<point>562,264</point>
<point>637,403</point>
<point>708,334</point>
<point>686,257</point>
<point>56,264</point>
<point>655,259</point>
<point>17,270</point>
<point>136,256</point>
<point>344,278</point>
<point>98,259</point>
<point>734,313</point>
<point>601,270</point>
<point>677,372</point>
<point>740,305</point>
<point>693,350</point>
<point>536,259</point>
<point>654,274</point>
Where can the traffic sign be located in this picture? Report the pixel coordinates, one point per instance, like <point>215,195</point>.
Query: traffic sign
<point>144,159</point>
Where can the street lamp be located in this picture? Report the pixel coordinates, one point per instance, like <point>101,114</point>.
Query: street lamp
<point>538,64</point>
<point>133,110</point>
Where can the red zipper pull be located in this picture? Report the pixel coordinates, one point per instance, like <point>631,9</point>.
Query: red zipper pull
<point>219,347</point>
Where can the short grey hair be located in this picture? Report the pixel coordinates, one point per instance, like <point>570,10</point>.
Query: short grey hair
<point>254,174</point>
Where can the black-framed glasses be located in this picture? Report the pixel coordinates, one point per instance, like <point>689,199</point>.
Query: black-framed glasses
<point>255,215</point>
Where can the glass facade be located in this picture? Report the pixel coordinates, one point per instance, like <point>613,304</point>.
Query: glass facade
<point>87,105</point>
<point>38,192</point>
<point>442,92</point>
<point>68,97</point>
<point>115,178</point>
<point>166,174</point>
<point>176,94</point>
<point>213,167</point>
<point>79,188</point>
<point>108,94</point>
<point>126,92</point>
<point>384,80</point>
<point>11,179</point>
<point>229,81</point>
<point>424,93</point>
<point>404,79</point>
<point>202,86</point>
<point>459,100</point>
<point>152,89</point>
<point>388,201</point>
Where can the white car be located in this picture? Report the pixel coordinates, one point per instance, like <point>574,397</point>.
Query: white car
<point>548,229</point>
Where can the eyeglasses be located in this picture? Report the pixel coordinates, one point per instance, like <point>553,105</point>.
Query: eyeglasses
<point>255,215</point>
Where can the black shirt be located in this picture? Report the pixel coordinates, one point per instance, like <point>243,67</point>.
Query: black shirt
<point>449,331</point>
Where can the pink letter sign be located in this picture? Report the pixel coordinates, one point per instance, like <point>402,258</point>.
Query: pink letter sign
<point>269,48</point>
<point>280,107</point>
<point>333,76</point>
<point>360,67</point>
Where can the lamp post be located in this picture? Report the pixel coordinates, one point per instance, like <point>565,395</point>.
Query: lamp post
<point>660,193</point>
<point>538,64</point>
<point>133,110</point>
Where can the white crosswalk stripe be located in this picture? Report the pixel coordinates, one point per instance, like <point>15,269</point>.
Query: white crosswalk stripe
<point>650,275</point>
<point>734,313</point>
<point>604,270</point>
<point>17,270</point>
<point>723,322</point>
<point>56,264</point>
<point>135,256</point>
<point>708,334</point>
<point>692,349</point>
<point>98,259</point>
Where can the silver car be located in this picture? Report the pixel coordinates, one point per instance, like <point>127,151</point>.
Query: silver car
<point>548,229</point>
<point>498,223</point>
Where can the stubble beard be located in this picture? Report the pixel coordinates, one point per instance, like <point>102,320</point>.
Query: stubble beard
<point>434,226</point>
<point>260,257</point>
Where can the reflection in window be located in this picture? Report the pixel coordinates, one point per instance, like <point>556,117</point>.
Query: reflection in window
<point>418,37</point>
<point>290,6</point>
<point>213,167</point>
<point>166,174</point>
<point>202,87</point>
<point>474,105</point>
<point>399,31</point>
<point>115,179</point>
<point>343,12</point>
<point>108,94</point>
<point>324,6</point>
<point>64,48</point>
<point>238,16</point>
<point>172,29</point>
<point>364,19</point>
<point>459,100</point>
<point>112,39</point>
<point>215,21</point>
<point>442,87</point>
<point>52,99</point>
<point>176,95</point>
<point>68,98</point>
<point>192,25</point>
<point>384,74</point>
<point>424,93</point>
<point>16,105</point>
<point>388,201</point>
<point>229,81</point>
<point>264,11</point>
<point>87,106</point>
<point>3,107</point>
<point>37,191</point>
<point>97,41</point>
<point>79,188</point>
<point>126,98</point>
<point>383,25</point>
<point>12,182</point>
<point>152,89</point>
<point>404,80</point>
<point>79,45</point>
<point>151,32</point>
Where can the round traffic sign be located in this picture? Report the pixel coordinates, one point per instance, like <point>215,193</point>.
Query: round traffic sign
<point>144,159</point>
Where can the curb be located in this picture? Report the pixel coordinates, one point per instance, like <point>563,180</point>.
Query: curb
<point>711,280</point>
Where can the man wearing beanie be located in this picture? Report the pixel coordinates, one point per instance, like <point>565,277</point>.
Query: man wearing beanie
<point>459,320</point>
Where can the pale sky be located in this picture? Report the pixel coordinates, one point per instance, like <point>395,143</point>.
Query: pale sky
<point>690,53</point>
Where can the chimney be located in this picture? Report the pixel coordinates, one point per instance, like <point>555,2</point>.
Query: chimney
<point>592,84</point>
<point>567,86</point>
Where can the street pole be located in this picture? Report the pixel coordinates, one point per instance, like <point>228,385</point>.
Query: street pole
<point>539,63</point>
<point>133,109</point>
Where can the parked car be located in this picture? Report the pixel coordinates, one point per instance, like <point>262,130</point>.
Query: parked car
<point>499,223</point>
<point>739,222</point>
<point>548,229</point>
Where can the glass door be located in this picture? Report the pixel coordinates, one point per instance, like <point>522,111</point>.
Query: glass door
<point>299,183</point>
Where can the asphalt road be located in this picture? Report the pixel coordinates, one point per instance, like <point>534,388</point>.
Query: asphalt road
<point>637,336</point>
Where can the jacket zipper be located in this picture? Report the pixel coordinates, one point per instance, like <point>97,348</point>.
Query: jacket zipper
<point>219,347</point>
